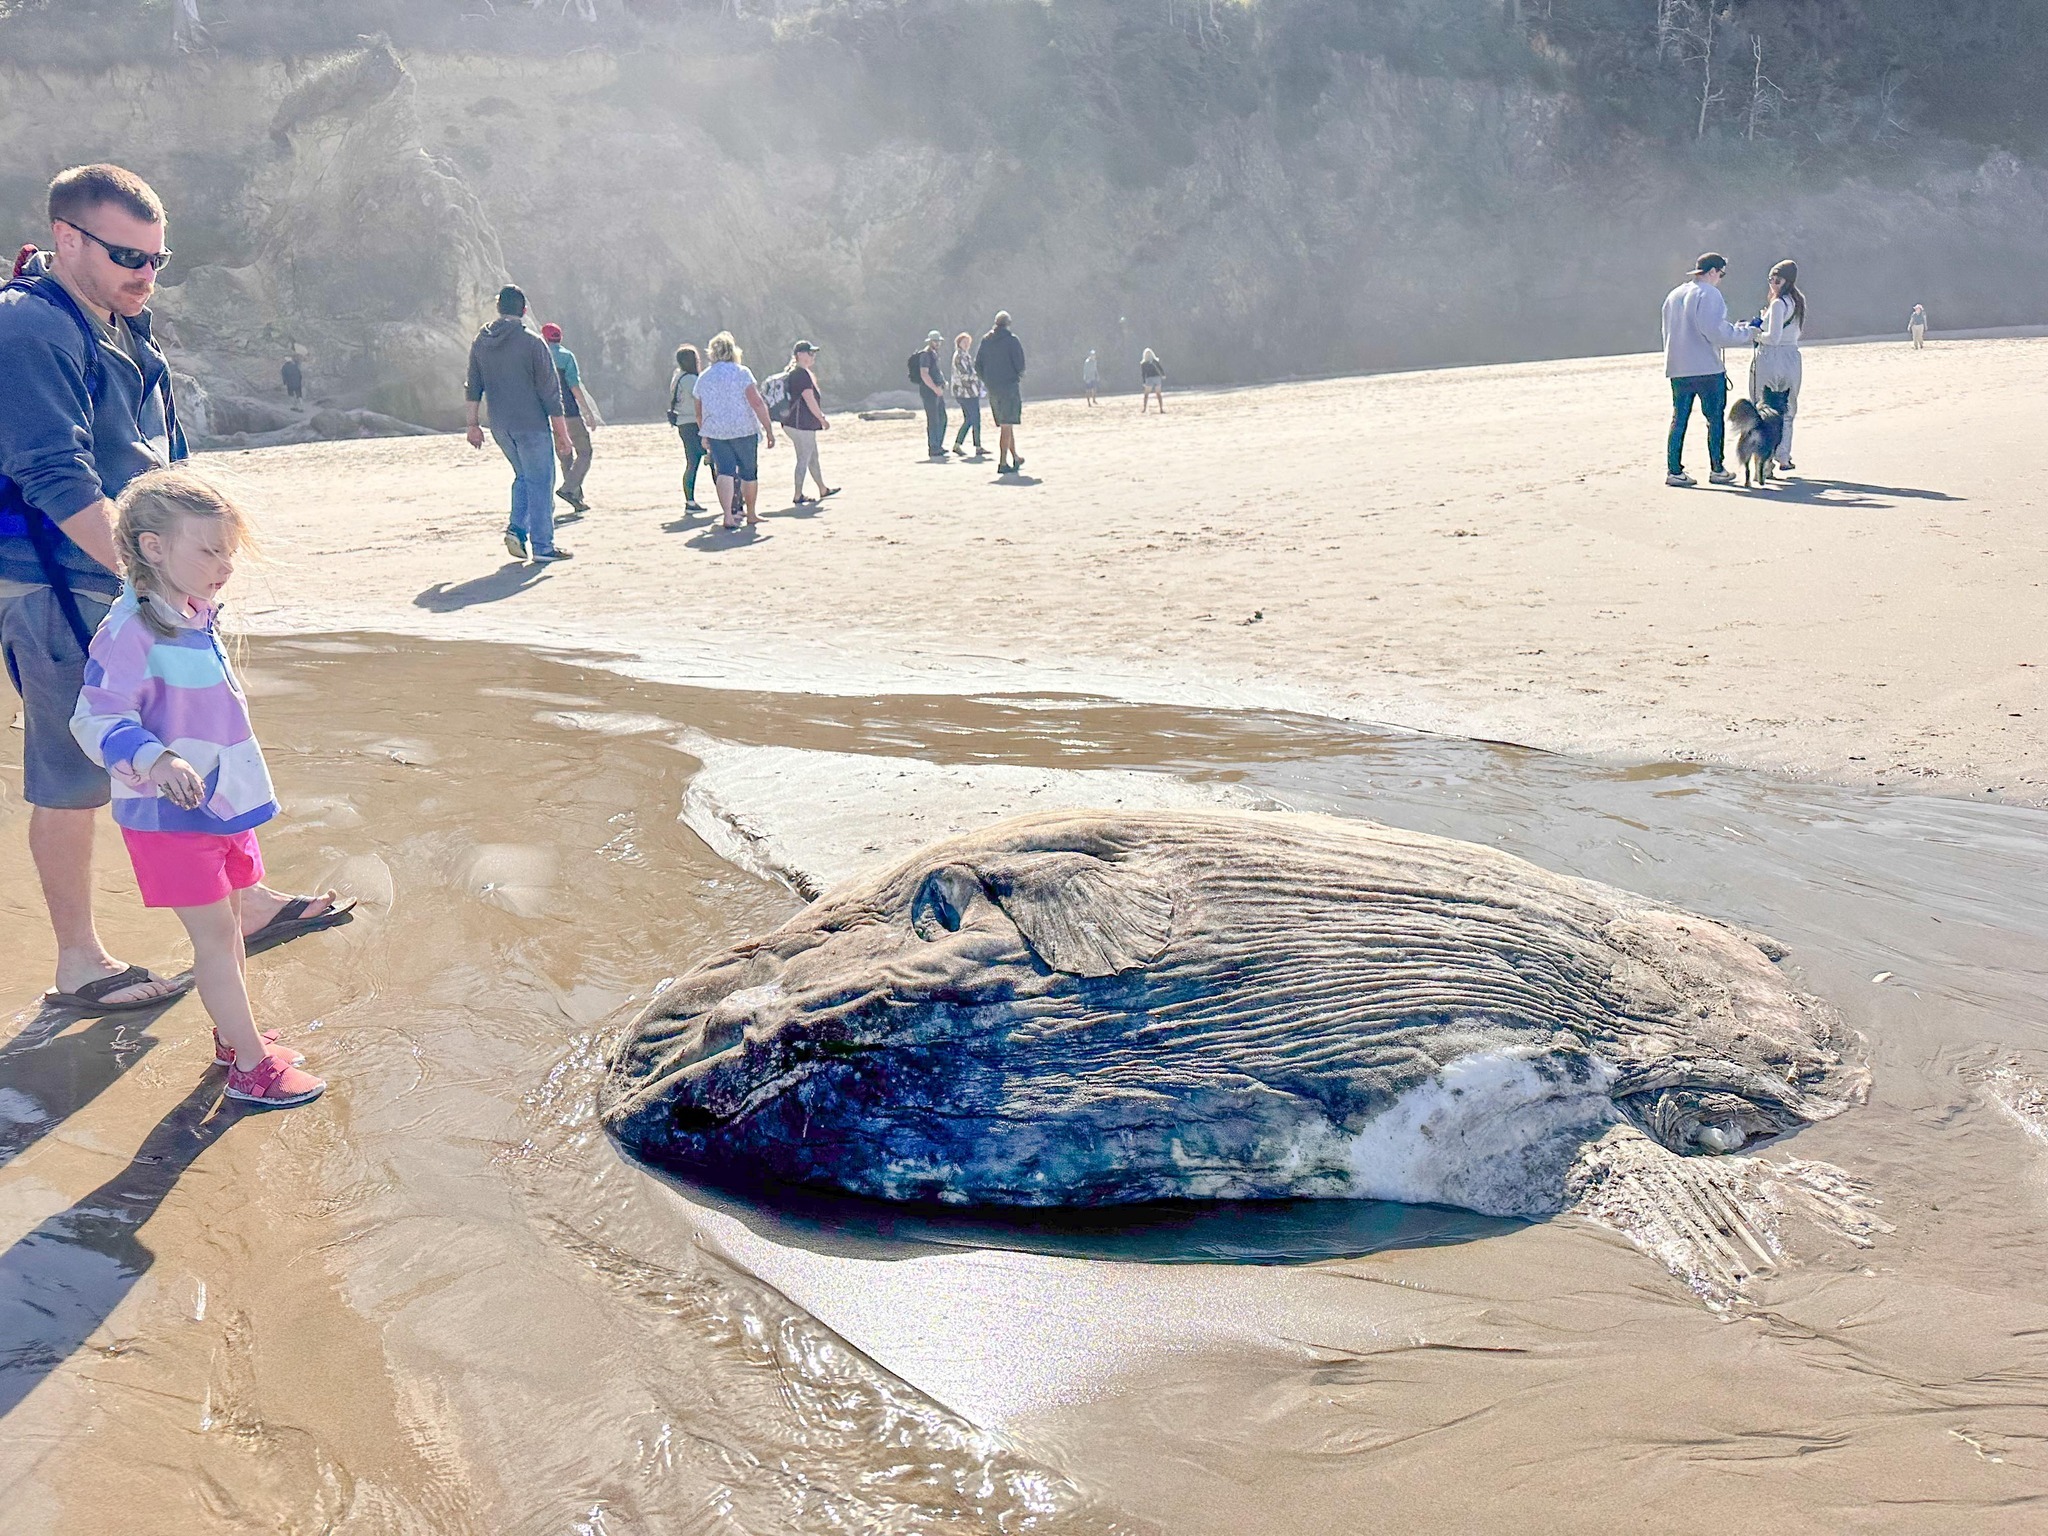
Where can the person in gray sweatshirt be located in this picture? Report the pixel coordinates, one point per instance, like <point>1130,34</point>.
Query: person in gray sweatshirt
<point>1696,328</point>
<point>512,369</point>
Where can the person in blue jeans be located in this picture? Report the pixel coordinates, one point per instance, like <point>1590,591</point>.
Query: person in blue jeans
<point>1696,329</point>
<point>731,416</point>
<point>512,369</point>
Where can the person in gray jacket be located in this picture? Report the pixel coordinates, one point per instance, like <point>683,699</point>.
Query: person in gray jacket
<point>1696,328</point>
<point>512,368</point>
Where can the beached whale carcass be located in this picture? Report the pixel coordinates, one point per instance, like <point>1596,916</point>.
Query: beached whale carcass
<point>1081,1008</point>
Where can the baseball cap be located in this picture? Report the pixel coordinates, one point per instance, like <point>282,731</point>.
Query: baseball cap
<point>551,332</point>
<point>803,346</point>
<point>1712,261</point>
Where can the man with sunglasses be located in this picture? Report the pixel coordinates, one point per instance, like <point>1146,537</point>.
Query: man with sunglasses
<point>85,407</point>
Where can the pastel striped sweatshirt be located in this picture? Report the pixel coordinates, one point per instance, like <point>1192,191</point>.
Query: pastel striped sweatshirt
<point>147,694</point>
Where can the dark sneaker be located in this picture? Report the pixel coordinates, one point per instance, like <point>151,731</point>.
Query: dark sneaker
<point>552,554</point>
<point>515,546</point>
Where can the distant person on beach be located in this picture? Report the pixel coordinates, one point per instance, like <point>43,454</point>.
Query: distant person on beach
<point>999,361</point>
<point>1775,370</point>
<point>1916,327</point>
<point>581,415</point>
<point>294,379</point>
<point>512,368</point>
<point>806,420</point>
<point>162,711</point>
<point>732,416</point>
<point>85,407</point>
<point>1151,381</point>
<point>966,385</point>
<point>1091,376</point>
<point>924,368</point>
<point>682,385</point>
<point>1696,329</point>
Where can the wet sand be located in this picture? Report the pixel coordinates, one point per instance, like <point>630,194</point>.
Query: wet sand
<point>439,1302</point>
<point>1486,552</point>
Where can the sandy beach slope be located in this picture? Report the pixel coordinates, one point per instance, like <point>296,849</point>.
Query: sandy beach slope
<point>1485,552</point>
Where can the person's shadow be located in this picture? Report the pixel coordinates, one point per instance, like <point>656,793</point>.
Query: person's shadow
<point>720,540</point>
<point>1016,480</point>
<point>49,1071</point>
<point>63,1280</point>
<point>514,576</point>
<point>1849,493</point>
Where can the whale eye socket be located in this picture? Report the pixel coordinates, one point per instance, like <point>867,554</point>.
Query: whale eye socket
<point>941,904</point>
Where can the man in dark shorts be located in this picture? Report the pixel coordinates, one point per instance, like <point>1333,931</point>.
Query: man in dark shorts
<point>1000,362</point>
<point>85,407</point>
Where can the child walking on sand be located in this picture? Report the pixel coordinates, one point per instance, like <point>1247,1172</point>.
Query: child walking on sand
<point>162,711</point>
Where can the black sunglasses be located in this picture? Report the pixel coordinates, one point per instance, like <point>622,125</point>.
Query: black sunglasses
<point>124,255</point>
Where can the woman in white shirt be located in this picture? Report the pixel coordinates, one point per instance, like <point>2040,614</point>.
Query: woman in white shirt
<point>1774,372</point>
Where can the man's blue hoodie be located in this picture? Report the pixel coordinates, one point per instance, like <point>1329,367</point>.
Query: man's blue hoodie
<point>71,430</point>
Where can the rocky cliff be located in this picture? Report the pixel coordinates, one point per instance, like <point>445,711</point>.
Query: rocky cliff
<point>860,186</point>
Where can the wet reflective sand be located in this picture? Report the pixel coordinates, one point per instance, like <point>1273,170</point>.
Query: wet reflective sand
<point>439,1301</point>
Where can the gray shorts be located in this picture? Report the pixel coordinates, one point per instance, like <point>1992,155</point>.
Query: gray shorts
<point>47,669</point>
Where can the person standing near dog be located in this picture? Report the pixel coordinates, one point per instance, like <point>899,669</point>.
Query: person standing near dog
<point>1916,327</point>
<point>1696,329</point>
<point>1775,371</point>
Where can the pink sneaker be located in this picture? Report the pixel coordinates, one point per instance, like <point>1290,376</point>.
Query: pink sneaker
<point>224,1055</point>
<point>274,1084</point>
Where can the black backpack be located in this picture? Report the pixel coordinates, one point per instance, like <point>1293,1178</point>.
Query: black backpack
<point>917,370</point>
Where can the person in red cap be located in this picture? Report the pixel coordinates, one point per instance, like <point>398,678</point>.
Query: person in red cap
<point>582,413</point>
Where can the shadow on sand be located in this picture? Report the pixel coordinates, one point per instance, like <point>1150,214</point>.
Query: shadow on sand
<point>1158,1232</point>
<point>50,1071</point>
<point>512,577</point>
<point>63,1280</point>
<point>1849,493</point>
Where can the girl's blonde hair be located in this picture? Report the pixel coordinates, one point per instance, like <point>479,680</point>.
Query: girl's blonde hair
<point>723,349</point>
<point>962,340</point>
<point>155,503</point>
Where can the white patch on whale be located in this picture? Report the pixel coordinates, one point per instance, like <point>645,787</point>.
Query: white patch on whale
<point>1490,1132</point>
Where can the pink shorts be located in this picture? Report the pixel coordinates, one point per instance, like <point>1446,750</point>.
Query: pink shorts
<point>192,869</point>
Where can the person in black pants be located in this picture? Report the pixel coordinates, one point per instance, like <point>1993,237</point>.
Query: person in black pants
<point>932,390</point>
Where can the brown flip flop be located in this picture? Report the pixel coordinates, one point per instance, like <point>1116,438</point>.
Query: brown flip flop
<point>90,997</point>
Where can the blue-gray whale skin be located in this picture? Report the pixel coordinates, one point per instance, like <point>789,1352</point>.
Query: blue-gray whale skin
<point>1084,1008</point>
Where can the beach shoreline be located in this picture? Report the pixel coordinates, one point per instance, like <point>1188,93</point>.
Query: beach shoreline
<point>1352,549</point>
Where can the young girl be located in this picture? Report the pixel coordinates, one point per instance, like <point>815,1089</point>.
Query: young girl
<point>162,711</point>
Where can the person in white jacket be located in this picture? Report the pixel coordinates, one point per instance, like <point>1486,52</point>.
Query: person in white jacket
<point>1774,372</point>
<point>1696,329</point>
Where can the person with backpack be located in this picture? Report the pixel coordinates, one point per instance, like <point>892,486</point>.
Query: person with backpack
<point>803,414</point>
<point>924,373</point>
<point>999,360</point>
<point>683,384</point>
<point>86,407</point>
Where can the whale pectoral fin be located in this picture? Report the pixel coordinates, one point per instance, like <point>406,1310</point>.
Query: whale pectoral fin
<point>1714,1221</point>
<point>1083,915</point>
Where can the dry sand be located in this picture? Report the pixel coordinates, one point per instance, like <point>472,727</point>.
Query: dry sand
<point>1484,552</point>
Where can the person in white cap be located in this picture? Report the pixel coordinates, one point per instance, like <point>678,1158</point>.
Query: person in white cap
<point>1696,328</point>
<point>925,369</point>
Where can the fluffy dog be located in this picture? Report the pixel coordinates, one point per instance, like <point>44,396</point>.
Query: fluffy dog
<point>1759,427</point>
